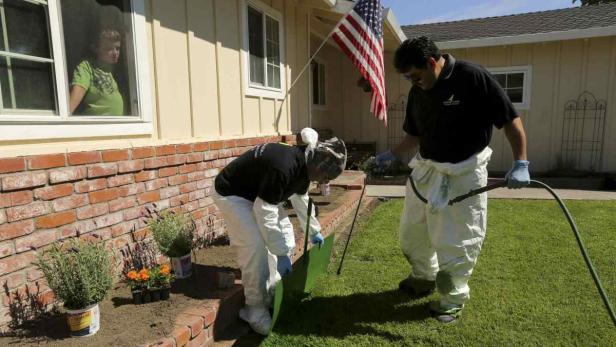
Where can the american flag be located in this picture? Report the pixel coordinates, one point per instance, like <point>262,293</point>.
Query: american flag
<point>360,36</point>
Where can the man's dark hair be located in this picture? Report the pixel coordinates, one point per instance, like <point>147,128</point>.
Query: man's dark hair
<point>415,52</point>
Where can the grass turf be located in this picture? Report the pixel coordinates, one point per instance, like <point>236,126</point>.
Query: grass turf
<point>529,288</point>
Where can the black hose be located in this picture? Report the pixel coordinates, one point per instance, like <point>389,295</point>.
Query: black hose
<point>591,268</point>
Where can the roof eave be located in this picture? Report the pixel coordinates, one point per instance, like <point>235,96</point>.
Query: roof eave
<point>529,38</point>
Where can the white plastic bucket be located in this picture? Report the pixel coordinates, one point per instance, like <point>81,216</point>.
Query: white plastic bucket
<point>84,322</point>
<point>182,266</point>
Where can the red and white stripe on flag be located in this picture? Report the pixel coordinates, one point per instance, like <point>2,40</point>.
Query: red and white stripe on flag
<point>360,36</point>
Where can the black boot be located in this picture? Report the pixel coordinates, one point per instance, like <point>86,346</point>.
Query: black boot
<point>417,287</point>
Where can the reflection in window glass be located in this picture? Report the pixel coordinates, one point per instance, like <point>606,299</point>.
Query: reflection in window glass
<point>26,62</point>
<point>255,46</point>
<point>100,58</point>
<point>318,83</point>
<point>513,84</point>
<point>264,48</point>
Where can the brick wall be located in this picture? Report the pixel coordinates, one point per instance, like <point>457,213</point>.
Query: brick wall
<point>100,195</point>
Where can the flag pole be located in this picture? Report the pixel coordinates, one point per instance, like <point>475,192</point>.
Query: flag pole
<point>301,72</point>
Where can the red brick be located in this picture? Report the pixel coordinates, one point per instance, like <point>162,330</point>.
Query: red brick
<point>121,204</point>
<point>143,152</point>
<point>130,166</point>
<point>13,280</point>
<point>70,202</point>
<point>178,200</point>
<point>46,161</point>
<point>90,211</point>
<point>196,176</point>
<point>188,168</point>
<point>34,209</point>
<point>196,195</point>
<point>109,219</point>
<point>132,189</point>
<point>142,233</point>
<point>115,155</point>
<point>13,230</point>
<point>229,144</point>
<point>184,148</point>
<point>46,297</point>
<point>156,184</point>
<point>164,150</point>
<point>120,180</point>
<point>122,228</point>
<point>132,213</point>
<point>6,249</point>
<point>167,171</point>
<point>211,155</point>
<point>90,186</point>
<point>53,192</point>
<point>24,180</point>
<point>155,163</point>
<point>80,158</point>
<point>56,220</point>
<point>181,335</point>
<point>38,239</point>
<point>12,165</point>
<point>17,262</point>
<point>198,341</point>
<point>169,192</point>
<point>164,342</point>
<point>194,157</point>
<point>174,160</point>
<point>148,197</point>
<point>216,145</point>
<point>201,146</point>
<point>15,198</point>
<point>146,176</point>
<point>101,170</point>
<point>188,187</point>
<point>104,195</point>
<point>67,175</point>
<point>211,173</point>
<point>34,274</point>
<point>179,179</point>
<point>225,153</point>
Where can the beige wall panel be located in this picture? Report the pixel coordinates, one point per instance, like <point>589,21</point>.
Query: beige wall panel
<point>203,78</point>
<point>172,75</point>
<point>300,93</point>
<point>497,56</point>
<point>597,79</point>
<point>291,105</point>
<point>269,111</point>
<point>609,148</point>
<point>228,60</point>
<point>539,121</point>
<point>520,54</point>
<point>252,116</point>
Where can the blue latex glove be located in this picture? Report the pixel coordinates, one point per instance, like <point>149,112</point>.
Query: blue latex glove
<point>283,265</point>
<point>385,159</point>
<point>317,239</point>
<point>518,176</point>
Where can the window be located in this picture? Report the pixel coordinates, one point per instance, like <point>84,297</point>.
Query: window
<point>66,66</point>
<point>263,50</point>
<point>516,83</point>
<point>317,72</point>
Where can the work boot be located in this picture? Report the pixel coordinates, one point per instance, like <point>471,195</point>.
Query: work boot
<point>257,317</point>
<point>417,287</point>
<point>445,313</point>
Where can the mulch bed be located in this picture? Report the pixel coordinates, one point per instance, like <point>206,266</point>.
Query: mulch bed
<point>126,324</point>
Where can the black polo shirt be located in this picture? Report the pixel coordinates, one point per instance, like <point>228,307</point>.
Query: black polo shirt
<point>271,171</point>
<point>454,119</point>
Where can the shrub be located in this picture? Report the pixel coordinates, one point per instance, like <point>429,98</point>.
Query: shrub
<point>173,232</point>
<point>78,272</point>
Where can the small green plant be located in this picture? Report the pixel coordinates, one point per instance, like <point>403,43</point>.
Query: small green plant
<point>161,276</point>
<point>78,272</point>
<point>174,232</point>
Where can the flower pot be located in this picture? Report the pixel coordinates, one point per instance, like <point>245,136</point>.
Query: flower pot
<point>137,297</point>
<point>182,266</point>
<point>84,322</point>
<point>164,293</point>
<point>155,294</point>
<point>146,297</point>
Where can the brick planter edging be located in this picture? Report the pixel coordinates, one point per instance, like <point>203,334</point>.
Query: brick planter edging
<point>193,319</point>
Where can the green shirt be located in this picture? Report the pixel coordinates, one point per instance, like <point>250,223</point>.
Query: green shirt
<point>102,94</point>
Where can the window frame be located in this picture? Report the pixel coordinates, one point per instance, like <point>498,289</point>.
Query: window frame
<point>251,89</point>
<point>323,65</point>
<point>19,126</point>
<point>526,70</point>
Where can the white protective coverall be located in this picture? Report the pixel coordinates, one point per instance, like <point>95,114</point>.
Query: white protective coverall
<point>260,231</point>
<point>441,239</point>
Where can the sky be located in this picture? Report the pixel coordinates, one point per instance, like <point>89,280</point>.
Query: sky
<point>431,11</point>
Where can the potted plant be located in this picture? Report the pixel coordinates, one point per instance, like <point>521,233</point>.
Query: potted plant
<point>161,282</point>
<point>174,235</point>
<point>80,274</point>
<point>138,282</point>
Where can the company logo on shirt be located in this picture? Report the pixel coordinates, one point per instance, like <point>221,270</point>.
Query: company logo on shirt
<point>451,101</point>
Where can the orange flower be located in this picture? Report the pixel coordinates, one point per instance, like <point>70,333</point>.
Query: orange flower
<point>164,269</point>
<point>144,274</point>
<point>132,275</point>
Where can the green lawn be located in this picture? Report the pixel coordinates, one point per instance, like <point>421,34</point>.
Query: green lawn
<point>530,287</point>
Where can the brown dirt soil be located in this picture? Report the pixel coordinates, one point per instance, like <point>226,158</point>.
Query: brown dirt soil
<point>126,324</point>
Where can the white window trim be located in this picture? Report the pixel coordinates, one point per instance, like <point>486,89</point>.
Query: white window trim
<point>527,70</point>
<point>319,107</point>
<point>41,126</point>
<point>256,90</point>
